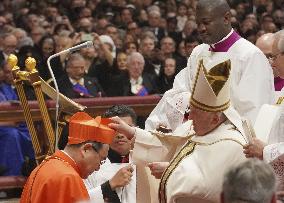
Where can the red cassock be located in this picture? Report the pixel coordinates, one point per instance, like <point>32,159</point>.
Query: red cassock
<point>55,180</point>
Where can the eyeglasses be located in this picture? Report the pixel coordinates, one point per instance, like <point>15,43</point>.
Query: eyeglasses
<point>273,57</point>
<point>102,158</point>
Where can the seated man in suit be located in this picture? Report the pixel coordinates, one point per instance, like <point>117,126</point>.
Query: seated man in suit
<point>75,84</point>
<point>139,83</point>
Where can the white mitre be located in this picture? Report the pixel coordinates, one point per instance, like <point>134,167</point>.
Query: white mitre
<point>211,91</point>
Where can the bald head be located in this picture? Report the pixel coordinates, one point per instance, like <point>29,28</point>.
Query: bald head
<point>265,42</point>
<point>278,44</point>
<point>218,7</point>
<point>278,53</point>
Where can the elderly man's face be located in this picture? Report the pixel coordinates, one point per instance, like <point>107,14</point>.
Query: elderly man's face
<point>9,44</point>
<point>112,32</point>
<point>277,58</point>
<point>147,45</point>
<point>120,143</point>
<point>76,69</point>
<point>208,22</point>
<point>154,20</point>
<point>63,43</point>
<point>202,120</point>
<point>135,67</point>
<point>92,159</point>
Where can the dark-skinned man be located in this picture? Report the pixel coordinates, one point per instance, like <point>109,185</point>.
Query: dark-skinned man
<point>252,78</point>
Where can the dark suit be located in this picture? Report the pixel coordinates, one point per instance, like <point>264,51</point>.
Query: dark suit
<point>2,57</point>
<point>66,87</point>
<point>148,82</point>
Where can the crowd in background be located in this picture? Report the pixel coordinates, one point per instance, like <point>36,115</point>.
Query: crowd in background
<point>139,46</point>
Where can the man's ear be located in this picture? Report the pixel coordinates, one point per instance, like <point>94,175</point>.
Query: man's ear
<point>87,146</point>
<point>227,18</point>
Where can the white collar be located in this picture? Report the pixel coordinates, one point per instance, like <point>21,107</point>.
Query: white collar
<point>68,155</point>
<point>74,82</point>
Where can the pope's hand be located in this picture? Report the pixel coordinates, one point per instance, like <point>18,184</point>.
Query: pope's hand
<point>158,168</point>
<point>254,149</point>
<point>121,178</point>
<point>121,127</point>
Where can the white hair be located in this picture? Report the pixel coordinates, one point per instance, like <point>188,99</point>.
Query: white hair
<point>280,44</point>
<point>19,30</point>
<point>154,11</point>
<point>74,57</point>
<point>135,55</point>
<point>252,181</point>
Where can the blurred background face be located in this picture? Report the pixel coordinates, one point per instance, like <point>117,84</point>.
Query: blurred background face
<point>48,47</point>
<point>63,43</point>
<point>154,19</point>
<point>76,69</point>
<point>9,44</point>
<point>89,52</point>
<point>167,45</point>
<point>126,16</point>
<point>181,49</point>
<point>135,67</point>
<point>37,33</point>
<point>85,25</point>
<point>189,47</point>
<point>170,67</point>
<point>120,143</point>
<point>147,45</point>
<point>121,61</point>
<point>131,47</point>
<point>8,76</point>
<point>133,29</point>
<point>112,32</point>
<point>182,10</point>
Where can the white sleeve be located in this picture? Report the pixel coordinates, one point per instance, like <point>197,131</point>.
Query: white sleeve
<point>172,106</point>
<point>96,195</point>
<point>152,148</point>
<point>255,86</point>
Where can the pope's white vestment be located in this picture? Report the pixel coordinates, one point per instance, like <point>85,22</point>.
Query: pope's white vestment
<point>251,83</point>
<point>197,176</point>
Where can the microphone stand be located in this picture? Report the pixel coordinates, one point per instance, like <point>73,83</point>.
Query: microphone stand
<point>57,96</point>
<point>70,50</point>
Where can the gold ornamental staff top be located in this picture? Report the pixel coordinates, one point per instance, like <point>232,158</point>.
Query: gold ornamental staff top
<point>30,64</point>
<point>12,61</point>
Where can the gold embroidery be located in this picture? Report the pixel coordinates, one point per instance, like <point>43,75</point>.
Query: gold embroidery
<point>185,151</point>
<point>280,100</point>
<point>204,107</point>
<point>216,78</point>
<point>218,75</point>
